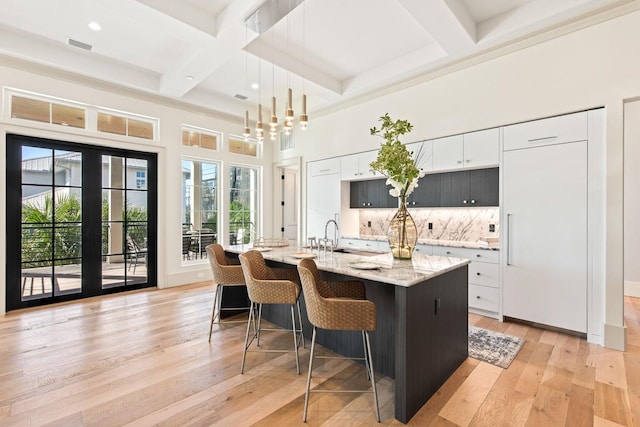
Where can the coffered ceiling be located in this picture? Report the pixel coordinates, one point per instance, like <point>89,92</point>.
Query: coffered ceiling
<point>209,52</point>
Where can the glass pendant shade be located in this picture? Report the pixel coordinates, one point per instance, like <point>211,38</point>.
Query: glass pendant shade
<point>304,119</point>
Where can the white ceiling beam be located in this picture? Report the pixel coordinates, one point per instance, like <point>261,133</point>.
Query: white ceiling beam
<point>184,13</point>
<point>269,53</point>
<point>447,21</point>
<point>393,71</point>
<point>54,54</point>
<point>200,62</point>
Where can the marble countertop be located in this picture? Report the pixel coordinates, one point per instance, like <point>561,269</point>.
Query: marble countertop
<point>436,242</point>
<point>385,269</point>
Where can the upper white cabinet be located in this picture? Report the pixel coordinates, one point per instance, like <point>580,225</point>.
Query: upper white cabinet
<point>482,148</point>
<point>447,152</point>
<point>554,130</point>
<point>425,148</point>
<point>324,167</point>
<point>356,166</point>
<point>471,150</point>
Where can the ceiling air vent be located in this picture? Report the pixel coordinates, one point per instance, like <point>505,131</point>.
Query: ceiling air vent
<point>239,96</point>
<point>81,45</point>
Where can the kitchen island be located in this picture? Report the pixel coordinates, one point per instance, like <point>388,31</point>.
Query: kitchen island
<point>421,306</point>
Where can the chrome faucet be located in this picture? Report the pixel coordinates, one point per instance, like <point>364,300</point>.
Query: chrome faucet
<point>335,233</point>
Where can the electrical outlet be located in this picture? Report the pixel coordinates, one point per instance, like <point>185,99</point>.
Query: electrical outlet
<point>492,228</point>
<point>430,226</point>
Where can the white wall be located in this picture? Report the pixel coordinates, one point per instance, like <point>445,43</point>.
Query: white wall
<point>632,198</point>
<point>169,148</point>
<point>591,67</point>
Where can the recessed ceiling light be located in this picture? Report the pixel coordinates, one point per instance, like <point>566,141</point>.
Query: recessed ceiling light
<point>189,77</point>
<point>95,26</point>
<point>255,85</point>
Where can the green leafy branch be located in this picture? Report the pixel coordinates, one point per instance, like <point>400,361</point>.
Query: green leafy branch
<point>394,160</point>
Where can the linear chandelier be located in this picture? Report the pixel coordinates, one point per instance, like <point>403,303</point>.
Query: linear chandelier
<point>289,115</point>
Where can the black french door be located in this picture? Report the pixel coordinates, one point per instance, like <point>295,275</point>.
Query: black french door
<point>81,221</point>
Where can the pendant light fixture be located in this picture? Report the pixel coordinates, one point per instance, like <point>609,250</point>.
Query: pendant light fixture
<point>288,115</point>
<point>304,119</point>
<point>273,124</point>
<point>246,133</point>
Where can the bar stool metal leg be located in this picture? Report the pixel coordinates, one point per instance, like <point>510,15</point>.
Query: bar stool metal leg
<point>216,307</point>
<point>295,338</point>
<point>373,380</point>
<point>246,338</point>
<point>306,395</point>
<point>300,320</point>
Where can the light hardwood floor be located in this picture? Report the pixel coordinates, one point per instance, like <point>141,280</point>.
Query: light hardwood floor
<point>142,358</point>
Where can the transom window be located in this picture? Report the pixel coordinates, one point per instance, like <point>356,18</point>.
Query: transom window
<point>196,137</point>
<point>240,146</point>
<point>46,109</point>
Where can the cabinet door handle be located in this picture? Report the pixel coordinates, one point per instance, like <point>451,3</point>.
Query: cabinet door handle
<point>467,161</point>
<point>473,201</point>
<point>459,161</point>
<point>448,253</point>
<point>464,202</point>
<point>508,239</point>
<point>478,256</point>
<point>477,296</point>
<point>477,274</point>
<point>544,138</point>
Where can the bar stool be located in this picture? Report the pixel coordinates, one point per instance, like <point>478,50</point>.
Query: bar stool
<point>226,272</point>
<point>266,285</point>
<point>337,310</point>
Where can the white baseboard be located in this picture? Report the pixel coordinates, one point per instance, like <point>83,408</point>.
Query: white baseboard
<point>631,289</point>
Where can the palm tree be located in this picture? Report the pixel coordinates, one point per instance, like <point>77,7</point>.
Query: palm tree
<point>51,230</point>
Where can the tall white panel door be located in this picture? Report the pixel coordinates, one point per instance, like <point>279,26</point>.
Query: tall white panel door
<point>323,202</point>
<point>545,210</point>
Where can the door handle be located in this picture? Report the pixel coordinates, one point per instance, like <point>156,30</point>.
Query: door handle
<point>508,239</point>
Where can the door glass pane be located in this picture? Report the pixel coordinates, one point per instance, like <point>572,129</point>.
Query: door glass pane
<point>68,168</point>
<point>37,244</point>
<point>137,174</point>
<point>36,165</point>
<point>125,221</point>
<point>51,223</point>
<point>112,172</point>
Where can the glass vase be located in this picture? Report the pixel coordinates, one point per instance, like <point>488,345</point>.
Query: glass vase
<point>403,233</point>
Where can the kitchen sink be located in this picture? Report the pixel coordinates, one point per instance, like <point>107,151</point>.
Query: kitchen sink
<point>355,252</point>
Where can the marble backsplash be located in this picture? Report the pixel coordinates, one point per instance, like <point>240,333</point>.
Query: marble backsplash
<point>460,224</point>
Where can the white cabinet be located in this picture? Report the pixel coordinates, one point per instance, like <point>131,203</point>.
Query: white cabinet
<point>324,167</point>
<point>482,148</point>
<point>472,150</point>
<point>545,231</point>
<point>423,249</point>
<point>323,196</point>
<point>484,278</point>
<point>553,130</point>
<point>356,166</point>
<point>447,153</point>
<point>363,244</point>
